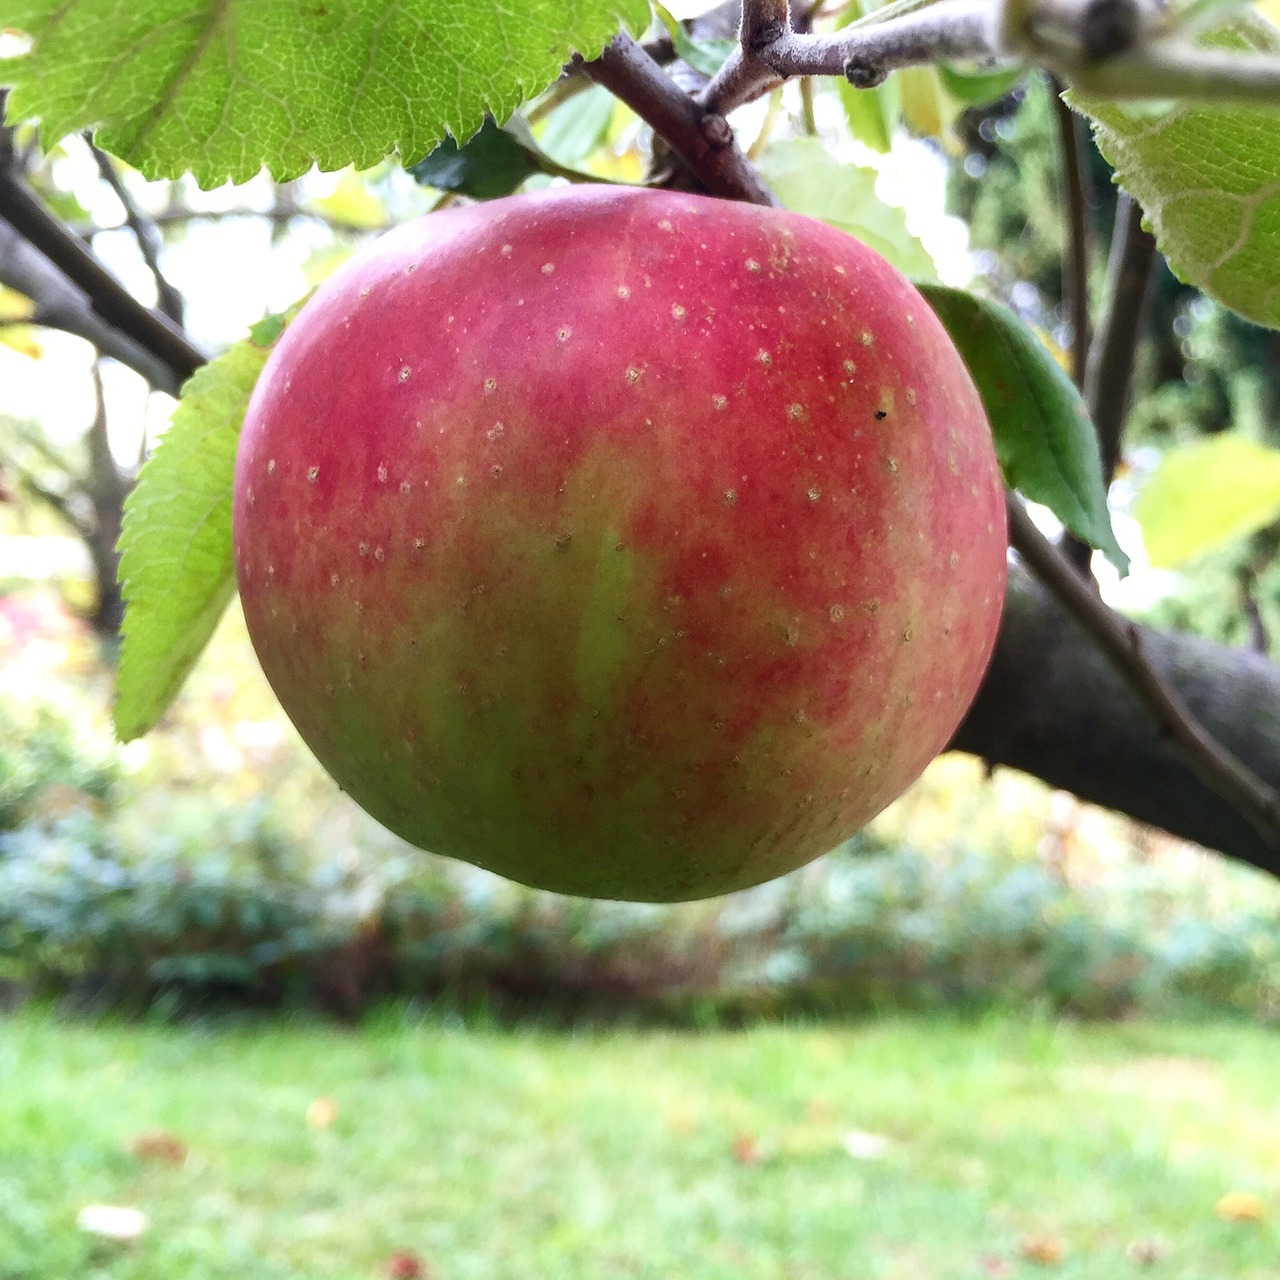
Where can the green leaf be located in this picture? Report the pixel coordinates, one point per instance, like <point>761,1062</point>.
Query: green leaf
<point>176,565</point>
<point>706,56</point>
<point>223,87</point>
<point>492,163</point>
<point>1205,494</point>
<point>926,110</point>
<point>872,114</point>
<point>806,177</point>
<point>977,88</point>
<point>1206,177</point>
<point>1046,445</point>
<point>578,127</point>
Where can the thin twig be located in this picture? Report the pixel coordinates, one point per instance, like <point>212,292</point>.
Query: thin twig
<point>60,305</point>
<point>1075,259</point>
<point>144,231</point>
<point>1121,641</point>
<point>1121,49</point>
<point>109,299</point>
<point>1109,371</point>
<point>281,214</point>
<point>1259,640</point>
<point>701,138</point>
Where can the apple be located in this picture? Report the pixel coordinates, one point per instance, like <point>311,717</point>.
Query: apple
<point>627,543</point>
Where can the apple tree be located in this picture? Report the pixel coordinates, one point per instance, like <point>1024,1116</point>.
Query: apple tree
<point>1182,101</point>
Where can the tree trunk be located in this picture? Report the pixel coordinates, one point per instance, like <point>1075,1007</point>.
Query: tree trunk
<point>1053,706</point>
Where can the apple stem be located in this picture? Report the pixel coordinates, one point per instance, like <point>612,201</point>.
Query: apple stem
<point>701,137</point>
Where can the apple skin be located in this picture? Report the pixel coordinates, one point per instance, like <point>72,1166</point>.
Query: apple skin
<point>630,544</point>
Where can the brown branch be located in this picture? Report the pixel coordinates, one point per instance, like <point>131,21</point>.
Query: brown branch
<point>144,232</point>
<point>1247,580</point>
<point>1109,370</point>
<point>701,138</point>
<point>1075,261</point>
<point>60,305</point>
<point>1075,200</point>
<point>772,50</point>
<point>20,207</point>
<point>1121,641</point>
<point>1053,706</point>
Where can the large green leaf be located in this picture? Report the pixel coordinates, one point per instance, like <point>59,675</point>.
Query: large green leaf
<point>175,564</point>
<point>1046,445</point>
<point>224,87</point>
<point>806,177</point>
<point>1205,494</point>
<point>1208,180</point>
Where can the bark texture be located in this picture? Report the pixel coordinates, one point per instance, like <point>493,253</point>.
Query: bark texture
<point>1052,705</point>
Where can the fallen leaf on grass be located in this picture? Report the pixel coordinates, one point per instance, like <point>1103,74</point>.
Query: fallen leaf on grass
<point>864,1146</point>
<point>1144,1253</point>
<point>746,1149</point>
<point>157,1144</point>
<point>1241,1206</point>
<point>1043,1249</point>
<point>322,1113</point>
<point>111,1221</point>
<point>404,1265</point>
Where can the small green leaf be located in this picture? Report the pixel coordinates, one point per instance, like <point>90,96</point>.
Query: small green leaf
<point>575,129</point>
<point>706,56</point>
<point>1205,494</point>
<point>872,114</point>
<point>493,163</point>
<point>490,164</point>
<point>1046,445</point>
<point>175,549</point>
<point>267,330</point>
<point>224,87</point>
<point>977,88</point>
<point>807,178</point>
<point>1206,177</point>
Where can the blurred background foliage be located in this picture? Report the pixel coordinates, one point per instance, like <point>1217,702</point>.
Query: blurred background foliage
<point>214,861</point>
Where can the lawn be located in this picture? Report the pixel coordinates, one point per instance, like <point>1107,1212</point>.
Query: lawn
<point>492,1154</point>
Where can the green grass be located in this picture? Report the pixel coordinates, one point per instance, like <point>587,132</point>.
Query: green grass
<point>532,1154</point>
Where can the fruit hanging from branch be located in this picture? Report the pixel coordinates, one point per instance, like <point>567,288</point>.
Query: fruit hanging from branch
<point>627,543</point>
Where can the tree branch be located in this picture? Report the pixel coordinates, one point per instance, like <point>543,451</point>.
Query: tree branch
<point>1121,641</point>
<point>1075,259</point>
<point>107,298</point>
<point>60,305</point>
<point>1116,49</point>
<point>701,138</point>
<point>1109,372</point>
<point>1052,705</point>
<point>144,232</point>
